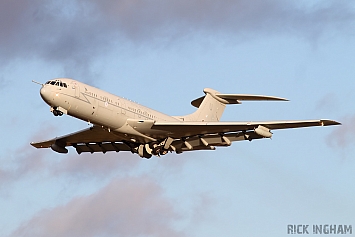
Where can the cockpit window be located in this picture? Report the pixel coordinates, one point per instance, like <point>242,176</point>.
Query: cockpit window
<point>57,83</point>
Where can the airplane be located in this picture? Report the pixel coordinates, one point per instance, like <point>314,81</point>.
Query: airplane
<point>119,124</point>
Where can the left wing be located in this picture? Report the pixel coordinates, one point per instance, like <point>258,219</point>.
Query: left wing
<point>191,136</point>
<point>183,129</point>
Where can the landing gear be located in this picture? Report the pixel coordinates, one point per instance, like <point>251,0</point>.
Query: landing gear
<point>146,150</point>
<point>56,112</point>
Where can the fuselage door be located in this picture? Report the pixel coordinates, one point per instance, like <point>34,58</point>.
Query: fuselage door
<point>75,86</point>
<point>123,106</point>
<point>77,91</point>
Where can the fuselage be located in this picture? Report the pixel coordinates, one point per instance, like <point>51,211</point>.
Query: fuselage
<point>96,106</point>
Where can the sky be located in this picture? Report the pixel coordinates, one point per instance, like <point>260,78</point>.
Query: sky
<point>162,55</point>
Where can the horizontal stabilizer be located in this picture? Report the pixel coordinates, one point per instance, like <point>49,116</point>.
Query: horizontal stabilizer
<point>237,98</point>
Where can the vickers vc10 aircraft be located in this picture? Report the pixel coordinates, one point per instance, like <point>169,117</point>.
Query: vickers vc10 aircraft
<point>122,125</point>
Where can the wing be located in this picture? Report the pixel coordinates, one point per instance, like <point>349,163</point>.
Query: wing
<point>94,139</point>
<point>191,136</point>
<point>170,136</point>
<point>184,129</point>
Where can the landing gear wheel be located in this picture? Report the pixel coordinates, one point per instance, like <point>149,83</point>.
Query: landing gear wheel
<point>57,113</point>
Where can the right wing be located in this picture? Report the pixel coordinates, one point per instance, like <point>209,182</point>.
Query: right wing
<point>94,139</point>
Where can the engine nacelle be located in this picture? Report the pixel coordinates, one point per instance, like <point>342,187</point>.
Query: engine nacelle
<point>55,147</point>
<point>263,131</point>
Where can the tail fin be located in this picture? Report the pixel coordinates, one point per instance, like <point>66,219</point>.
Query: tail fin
<point>212,105</point>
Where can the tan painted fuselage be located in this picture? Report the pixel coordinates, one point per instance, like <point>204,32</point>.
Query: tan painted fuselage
<point>97,106</point>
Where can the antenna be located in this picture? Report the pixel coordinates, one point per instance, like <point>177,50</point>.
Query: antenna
<point>37,82</point>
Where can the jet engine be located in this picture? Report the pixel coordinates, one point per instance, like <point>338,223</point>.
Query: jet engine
<point>58,148</point>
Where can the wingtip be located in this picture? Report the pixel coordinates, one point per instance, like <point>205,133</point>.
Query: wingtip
<point>328,122</point>
<point>277,98</point>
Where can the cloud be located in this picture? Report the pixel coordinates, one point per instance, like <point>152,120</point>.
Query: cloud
<point>143,20</point>
<point>62,34</point>
<point>27,160</point>
<point>343,135</point>
<point>327,103</point>
<point>125,207</point>
<point>75,33</point>
<point>3,83</point>
<point>95,165</point>
<point>21,162</point>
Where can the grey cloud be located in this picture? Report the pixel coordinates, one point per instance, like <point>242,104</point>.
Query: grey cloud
<point>21,162</point>
<point>327,103</point>
<point>24,160</point>
<point>27,160</point>
<point>200,212</point>
<point>143,20</point>
<point>95,165</point>
<point>343,135</point>
<point>60,34</point>
<point>18,164</point>
<point>3,83</point>
<point>125,207</point>
<point>74,33</point>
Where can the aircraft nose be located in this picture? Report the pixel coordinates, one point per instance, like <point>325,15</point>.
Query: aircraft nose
<point>45,93</point>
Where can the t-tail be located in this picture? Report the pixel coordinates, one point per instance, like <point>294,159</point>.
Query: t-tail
<point>210,107</point>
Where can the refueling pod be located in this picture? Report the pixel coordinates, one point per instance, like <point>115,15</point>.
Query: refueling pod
<point>263,131</point>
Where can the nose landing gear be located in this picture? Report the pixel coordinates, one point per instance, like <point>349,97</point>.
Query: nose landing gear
<point>56,112</point>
